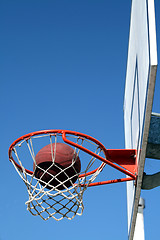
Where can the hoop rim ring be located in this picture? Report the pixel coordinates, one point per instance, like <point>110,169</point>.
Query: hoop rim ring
<point>63,132</point>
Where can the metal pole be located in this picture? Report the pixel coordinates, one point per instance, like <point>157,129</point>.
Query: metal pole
<point>139,228</point>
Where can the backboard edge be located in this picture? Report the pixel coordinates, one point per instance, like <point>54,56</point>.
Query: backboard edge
<point>150,96</point>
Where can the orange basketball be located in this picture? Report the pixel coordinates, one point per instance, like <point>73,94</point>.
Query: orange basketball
<point>65,159</point>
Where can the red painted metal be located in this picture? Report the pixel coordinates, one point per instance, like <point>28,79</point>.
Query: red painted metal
<point>124,160</point>
<point>110,181</point>
<point>127,157</point>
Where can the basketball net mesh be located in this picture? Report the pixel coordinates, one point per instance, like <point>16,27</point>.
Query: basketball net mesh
<point>45,200</point>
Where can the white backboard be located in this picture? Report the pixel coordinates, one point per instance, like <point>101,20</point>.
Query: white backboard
<point>139,92</point>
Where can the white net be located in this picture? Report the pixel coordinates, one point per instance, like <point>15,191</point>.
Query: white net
<point>57,194</point>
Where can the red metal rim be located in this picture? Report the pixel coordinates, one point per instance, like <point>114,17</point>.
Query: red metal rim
<point>108,153</point>
<point>63,132</point>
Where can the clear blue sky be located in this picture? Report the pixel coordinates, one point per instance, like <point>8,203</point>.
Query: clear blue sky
<point>63,66</point>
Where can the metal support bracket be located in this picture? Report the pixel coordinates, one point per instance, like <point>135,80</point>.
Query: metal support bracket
<point>127,160</point>
<point>153,145</point>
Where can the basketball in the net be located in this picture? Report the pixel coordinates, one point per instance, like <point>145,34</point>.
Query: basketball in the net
<point>65,159</point>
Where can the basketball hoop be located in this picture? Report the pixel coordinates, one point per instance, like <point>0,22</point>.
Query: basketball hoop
<point>51,200</point>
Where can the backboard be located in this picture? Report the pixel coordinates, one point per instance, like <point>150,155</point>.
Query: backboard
<point>139,93</point>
